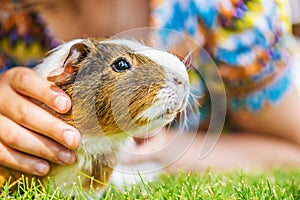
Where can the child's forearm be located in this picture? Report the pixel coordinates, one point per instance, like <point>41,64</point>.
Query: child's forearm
<point>245,151</point>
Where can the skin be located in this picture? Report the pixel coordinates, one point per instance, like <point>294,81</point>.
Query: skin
<point>23,145</point>
<point>30,137</point>
<point>270,119</point>
<point>29,140</point>
<point>239,151</point>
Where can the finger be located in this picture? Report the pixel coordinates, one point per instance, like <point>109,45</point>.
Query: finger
<point>38,120</point>
<point>22,162</point>
<point>32,143</point>
<point>28,83</point>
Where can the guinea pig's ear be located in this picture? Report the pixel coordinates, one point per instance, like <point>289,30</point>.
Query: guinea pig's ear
<point>70,66</point>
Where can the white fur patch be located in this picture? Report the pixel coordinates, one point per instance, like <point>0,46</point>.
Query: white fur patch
<point>173,94</point>
<point>55,59</point>
<point>176,72</point>
<point>166,59</point>
<point>59,54</point>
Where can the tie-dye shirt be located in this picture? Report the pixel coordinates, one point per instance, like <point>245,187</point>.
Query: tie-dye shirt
<point>24,36</point>
<point>249,41</point>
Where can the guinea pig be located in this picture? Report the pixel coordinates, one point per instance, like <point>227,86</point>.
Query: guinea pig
<point>119,88</point>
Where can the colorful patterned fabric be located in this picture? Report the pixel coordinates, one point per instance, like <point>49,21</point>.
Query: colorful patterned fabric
<point>249,40</point>
<point>24,38</point>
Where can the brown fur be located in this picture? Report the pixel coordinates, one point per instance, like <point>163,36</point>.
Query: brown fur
<point>114,99</point>
<point>96,82</point>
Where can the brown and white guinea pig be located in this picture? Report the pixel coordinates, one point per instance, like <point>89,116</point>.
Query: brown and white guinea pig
<point>119,88</point>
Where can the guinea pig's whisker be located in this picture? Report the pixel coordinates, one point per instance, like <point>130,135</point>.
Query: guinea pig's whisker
<point>140,98</point>
<point>185,120</point>
<point>193,105</point>
<point>182,122</point>
<point>193,96</point>
<point>168,127</point>
<point>187,60</point>
<point>142,42</point>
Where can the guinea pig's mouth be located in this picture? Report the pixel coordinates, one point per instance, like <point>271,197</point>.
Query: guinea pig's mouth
<point>168,115</point>
<point>166,112</point>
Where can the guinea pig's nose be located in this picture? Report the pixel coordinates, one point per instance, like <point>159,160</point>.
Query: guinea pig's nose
<point>182,90</point>
<point>178,81</point>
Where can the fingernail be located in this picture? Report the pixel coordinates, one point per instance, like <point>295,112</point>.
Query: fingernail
<point>61,102</point>
<point>66,157</point>
<point>70,137</point>
<point>41,167</point>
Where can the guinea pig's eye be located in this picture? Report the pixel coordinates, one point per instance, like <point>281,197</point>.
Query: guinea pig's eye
<point>121,65</point>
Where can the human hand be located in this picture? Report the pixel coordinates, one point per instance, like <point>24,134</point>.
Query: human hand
<point>30,137</point>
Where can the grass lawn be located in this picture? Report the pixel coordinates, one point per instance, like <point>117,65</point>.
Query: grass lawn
<point>276,184</point>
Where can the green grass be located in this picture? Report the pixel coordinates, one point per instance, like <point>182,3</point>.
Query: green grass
<point>276,184</point>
